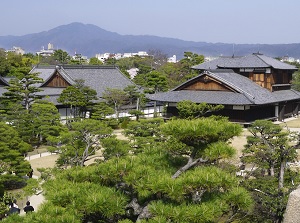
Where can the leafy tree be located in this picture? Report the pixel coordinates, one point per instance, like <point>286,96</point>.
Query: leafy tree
<point>190,59</point>
<point>296,79</point>
<point>126,63</point>
<point>61,56</point>
<point>269,148</point>
<point>95,61</point>
<point>189,109</point>
<point>143,69</point>
<point>79,97</point>
<point>159,58</point>
<point>116,98</point>
<point>174,73</point>
<point>46,60</point>
<point>23,88</point>
<point>101,110</point>
<point>12,151</point>
<point>45,120</point>
<point>135,96</point>
<point>133,93</point>
<point>185,66</point>
<point>200,139</point>
<point>71,96</point>
<point>138,187</point>
<point>17,100</point>
<point>136,113</point>
<point>9,61</point>
<point>78,145</point>
<point>4,65</point>
<point>154,81</point>
<point>115,148</point>
<point>110,61</point>
<point>143,132</point>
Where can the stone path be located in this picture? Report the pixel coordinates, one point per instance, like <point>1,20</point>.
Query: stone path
<point>45,159</point>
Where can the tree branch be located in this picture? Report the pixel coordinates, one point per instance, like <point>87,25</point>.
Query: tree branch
<point>189,164</point>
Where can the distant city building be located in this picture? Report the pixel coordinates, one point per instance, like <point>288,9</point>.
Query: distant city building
<point>142,54</point>
<point>48,52</point>
<point>80,58</point>
<point>118,56</point>
<point>172,59</point>
<point>289,59</point>
<point>103,57</point>
<point>50,46</point>
<point>206,59</point>
<point>16,50</point>
<point>127,55</point>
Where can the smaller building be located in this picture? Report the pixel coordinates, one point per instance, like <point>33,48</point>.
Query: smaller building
<point>46,52</point>
<point>57,78</point>
<point>16,50</point>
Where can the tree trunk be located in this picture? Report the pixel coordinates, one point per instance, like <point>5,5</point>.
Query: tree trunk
<point>271,171</point>
<point>116,110</point>
<point>281,174</point>
<point>138,104</point>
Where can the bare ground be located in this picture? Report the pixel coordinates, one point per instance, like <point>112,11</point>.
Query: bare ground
<point>43,162</point>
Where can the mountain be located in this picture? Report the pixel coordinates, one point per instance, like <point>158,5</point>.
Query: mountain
<point>89,40</point>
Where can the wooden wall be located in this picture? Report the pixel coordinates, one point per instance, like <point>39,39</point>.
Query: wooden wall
<point>267,80</point>
<point>57,81</point>
<point>206,84</point>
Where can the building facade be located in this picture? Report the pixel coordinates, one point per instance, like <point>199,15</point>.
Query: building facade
<point>250,88</point>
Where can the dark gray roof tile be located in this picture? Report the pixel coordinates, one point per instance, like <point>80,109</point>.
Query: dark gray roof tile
<point>98,78</point>
<point>211,97</point>
<point>249,61</point>
<point>245,92</point>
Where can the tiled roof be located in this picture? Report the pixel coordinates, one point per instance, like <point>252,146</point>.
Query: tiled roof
<point>245,92</point>
<point>249,61</point>
<point>3,81</point>
<point>98,78</point>
<point>286,95</point>
<point>276,63</point>
<point>211,97</point>
<point>2,89</point>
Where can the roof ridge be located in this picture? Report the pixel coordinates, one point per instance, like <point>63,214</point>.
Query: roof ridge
<point>4,81</point>
<point>62,72</point>
<point>258,55</point>
<point>247,95</point>
<point>296,92</point>
<point>65,75</point>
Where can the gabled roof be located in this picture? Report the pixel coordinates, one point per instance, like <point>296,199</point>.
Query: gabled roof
<point>255,60</point>
<point>244,91</point>
<point>98,78</point>
<point>3,82</point>
<point>46,73</point>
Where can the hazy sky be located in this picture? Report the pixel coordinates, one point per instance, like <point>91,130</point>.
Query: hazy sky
<point>227,21</point>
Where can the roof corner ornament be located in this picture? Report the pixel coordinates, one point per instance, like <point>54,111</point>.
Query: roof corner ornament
<point>205,72</point>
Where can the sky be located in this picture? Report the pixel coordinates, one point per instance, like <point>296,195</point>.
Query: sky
<point>214,21</point>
